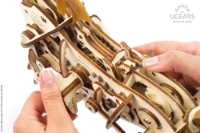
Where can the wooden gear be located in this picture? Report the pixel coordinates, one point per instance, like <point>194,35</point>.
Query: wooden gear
<point>107,75</point>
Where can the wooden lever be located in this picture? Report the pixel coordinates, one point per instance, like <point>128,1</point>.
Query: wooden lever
<point>69,85</point>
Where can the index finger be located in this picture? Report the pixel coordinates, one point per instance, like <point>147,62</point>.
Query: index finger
<point>164,46</point>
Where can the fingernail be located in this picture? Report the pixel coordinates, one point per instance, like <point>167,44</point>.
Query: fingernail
<point>150,62</point>
<point>47,77</point>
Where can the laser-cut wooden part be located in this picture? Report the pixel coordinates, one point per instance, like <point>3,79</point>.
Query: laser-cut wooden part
<point>76,78</point>
<point>196,119</point>
<point>193,120</point>
<point>173,92</point>
<point>149,130</point>
<point>108,76</point>
<point>116,113</point>
<point>62,62</point>
<point>149,119</point>
<point>92,105</point>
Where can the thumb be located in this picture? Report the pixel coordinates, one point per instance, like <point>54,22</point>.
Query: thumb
<point>175,61</point>
<point>53,103</point>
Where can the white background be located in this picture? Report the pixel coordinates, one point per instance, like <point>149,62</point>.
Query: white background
<point>133,21</point>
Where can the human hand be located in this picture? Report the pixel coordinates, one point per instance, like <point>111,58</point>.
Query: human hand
<point>179,60</point>
<point>49,101</point>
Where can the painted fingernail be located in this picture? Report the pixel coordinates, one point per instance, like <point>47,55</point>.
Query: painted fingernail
<point>150,62</point>
<point>47,77</point>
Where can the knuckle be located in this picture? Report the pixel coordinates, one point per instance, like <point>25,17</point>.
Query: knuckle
<point>172,55</point>
<point>51,96</point>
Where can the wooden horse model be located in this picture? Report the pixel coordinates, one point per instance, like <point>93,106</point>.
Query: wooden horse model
<point>107,75</point>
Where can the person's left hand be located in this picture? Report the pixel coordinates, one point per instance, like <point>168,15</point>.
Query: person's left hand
<point>49,101</point>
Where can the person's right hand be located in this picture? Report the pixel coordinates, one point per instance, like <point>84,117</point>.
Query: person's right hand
<point>179,60</point>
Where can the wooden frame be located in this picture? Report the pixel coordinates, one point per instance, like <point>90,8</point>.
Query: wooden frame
<point>107,75</point>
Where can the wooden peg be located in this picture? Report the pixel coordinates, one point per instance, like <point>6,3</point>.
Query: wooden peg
<point>117,112</point>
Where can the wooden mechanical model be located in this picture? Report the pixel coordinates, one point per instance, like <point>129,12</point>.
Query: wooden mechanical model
<point>107,75</point>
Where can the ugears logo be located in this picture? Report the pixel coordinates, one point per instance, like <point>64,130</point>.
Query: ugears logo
<point>182,15</point>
